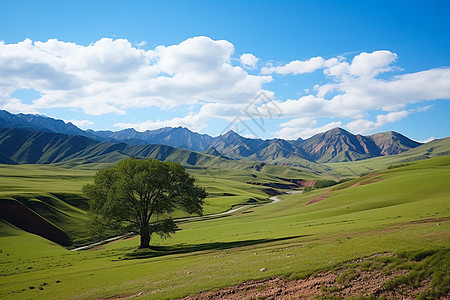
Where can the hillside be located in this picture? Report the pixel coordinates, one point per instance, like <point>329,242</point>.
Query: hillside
<point>388,227</point>
<point>24,146</point>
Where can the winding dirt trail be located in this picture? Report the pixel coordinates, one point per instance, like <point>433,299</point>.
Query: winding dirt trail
<point>274,199</point>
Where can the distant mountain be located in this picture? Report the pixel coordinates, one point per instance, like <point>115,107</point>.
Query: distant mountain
<point>339,145</point>
<point>393,142</point>
<point>10,120</point>
<point>335,145</point>
<point>54,125</point>
<point>176,137</point>
<point>38,147</point>
<point>22,146</point>
<point>41,123</point>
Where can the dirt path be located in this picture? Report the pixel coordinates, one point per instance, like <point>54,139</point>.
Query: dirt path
<point>102,242</point>
<point>231,211</point>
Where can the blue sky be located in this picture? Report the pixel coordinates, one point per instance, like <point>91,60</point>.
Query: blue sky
<point>264,68</point>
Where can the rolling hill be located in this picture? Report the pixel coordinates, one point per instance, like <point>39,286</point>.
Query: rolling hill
<point>391,225</point>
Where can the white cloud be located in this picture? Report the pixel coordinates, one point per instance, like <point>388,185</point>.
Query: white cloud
<point>80,123</point>
<point>300,67</point>
<point>364,65</point>
<point>248,60</point>
<point>355,96</point>
<point>110,76</point>
<point>371,64</point>
<point>365,126</point>
<point>303,128</point>
<point>432,138</point>
<point>193,121</point>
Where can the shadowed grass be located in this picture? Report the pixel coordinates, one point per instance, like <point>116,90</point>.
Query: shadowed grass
<point>156,251</point>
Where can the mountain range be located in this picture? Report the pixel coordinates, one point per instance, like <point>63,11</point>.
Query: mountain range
<point>41,139</point>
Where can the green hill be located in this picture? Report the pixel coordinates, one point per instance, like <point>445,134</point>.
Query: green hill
<point>396,219</point>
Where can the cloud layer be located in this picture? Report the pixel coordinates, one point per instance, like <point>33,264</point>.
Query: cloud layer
<point>111,76</point>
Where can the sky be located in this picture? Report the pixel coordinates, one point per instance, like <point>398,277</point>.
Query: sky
<point>265,69</point>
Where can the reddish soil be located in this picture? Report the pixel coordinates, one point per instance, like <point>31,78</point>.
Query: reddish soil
<point>326,194</point>
<point>320,198</point>
<point>369,181</point>
<point>328,284</point>
<point>306,183</point>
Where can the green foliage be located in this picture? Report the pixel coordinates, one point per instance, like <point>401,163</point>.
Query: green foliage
<point>346,276</point>
<point>328,182</point>
<point>139,195</point>
<point>428,263</point>
<point>398,166</point>
<point>307,189</point>
<point>324,183</point>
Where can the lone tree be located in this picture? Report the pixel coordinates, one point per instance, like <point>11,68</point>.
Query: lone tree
<point>139,196</point>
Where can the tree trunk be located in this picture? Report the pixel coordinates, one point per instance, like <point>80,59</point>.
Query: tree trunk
<point>145,239</point>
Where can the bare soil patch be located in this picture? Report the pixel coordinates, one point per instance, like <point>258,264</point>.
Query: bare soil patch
<point>323,196</point>
<point>352,280</point>
<point>368,181</point>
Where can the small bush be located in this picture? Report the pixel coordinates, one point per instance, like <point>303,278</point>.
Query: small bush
<point>307,189</point>
<point>417,255</point>
<point>324,183</point>
<point>398,166</point>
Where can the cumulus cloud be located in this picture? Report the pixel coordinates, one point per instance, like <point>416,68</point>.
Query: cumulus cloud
<point>301,67</point>
<point>113,75</point>
<point>431,138</point>
<point>248,60</point>
<point>80,123</point>
<point>110,76</point>
<point>364,64</point>
<point>355,90</point>
<point>365,126</point>
<point>352,97</point>
<point>303,128</point>
<point>193,121</point>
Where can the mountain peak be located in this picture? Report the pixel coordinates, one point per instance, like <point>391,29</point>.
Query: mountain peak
<point>231,134</point>
<point>392,142</point>
<point>337,130</point>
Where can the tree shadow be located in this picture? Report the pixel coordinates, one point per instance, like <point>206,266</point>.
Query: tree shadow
<point>156,251</point>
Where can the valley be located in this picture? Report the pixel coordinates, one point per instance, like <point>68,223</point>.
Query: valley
<point>406,210</point>
<point>268,229</point>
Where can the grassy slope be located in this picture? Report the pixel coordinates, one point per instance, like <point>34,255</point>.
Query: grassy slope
<point>399,212</point>
<point>54,192</point>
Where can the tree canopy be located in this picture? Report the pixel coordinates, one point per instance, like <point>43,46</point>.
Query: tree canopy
<point>139,196</point>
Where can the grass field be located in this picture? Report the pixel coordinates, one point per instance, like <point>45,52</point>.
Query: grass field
<point>54,192</point>
<point>400,210</point>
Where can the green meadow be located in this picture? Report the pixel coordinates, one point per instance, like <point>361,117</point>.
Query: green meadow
<point>402,210</point>
<point>54,191</point>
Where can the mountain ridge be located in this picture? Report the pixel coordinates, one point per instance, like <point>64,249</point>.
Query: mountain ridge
<point>335,145</point>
